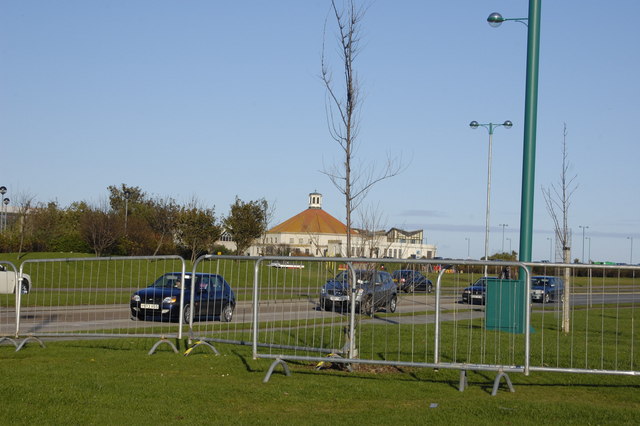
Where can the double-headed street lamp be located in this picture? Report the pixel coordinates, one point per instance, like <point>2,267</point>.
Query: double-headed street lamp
<point>530,121</point>
<point>490,127</point>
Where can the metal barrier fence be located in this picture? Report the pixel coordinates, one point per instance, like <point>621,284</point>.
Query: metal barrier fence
<point>503,324</point>
<point>302,312</point>
<point>9,290</point>
<point>231,317</point>
<point>343,311</point>
<point>92,297</point>
<point>591,325</point>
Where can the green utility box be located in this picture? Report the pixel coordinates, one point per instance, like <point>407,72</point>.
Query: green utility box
<point>505,306</point>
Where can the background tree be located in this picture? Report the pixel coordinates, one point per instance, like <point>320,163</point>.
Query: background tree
<point>342,108</point>
<point>246,222</point>
<point>197,229</point>
<point>558,201</point>
<point>163,219</point>
<point>100,227</point>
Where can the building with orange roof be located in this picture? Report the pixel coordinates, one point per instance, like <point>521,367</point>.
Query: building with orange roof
<point>314,232</point>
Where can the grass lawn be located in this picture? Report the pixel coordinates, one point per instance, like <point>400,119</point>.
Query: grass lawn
<point>115,381</point>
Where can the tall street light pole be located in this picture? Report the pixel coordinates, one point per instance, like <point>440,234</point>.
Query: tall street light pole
<point>583,228</point>
<point>503,226</point>
<point>589,251</point>
<point>631,253</point>
<point>3,190</point>
<point>468,247</point>
<point>530,123</point>
<point>509,239</point>
<point>490,127</point>
<point>550,249</point>
<point>127,194</point>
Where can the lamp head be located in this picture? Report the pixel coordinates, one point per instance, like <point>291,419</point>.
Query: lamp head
<point>495,19</point>
<point>507,124</point>
<point>474,125</point>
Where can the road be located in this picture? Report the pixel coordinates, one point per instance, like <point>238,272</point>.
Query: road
<point>98,318</point>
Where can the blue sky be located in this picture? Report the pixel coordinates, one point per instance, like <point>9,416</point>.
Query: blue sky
<point>220,99</point>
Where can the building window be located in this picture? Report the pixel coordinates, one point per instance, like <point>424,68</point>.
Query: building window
<point>301,241</point>
<point>290,240</point>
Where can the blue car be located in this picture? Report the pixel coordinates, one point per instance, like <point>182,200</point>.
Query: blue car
<point>545,289</point>
<point>161,300</point>
<point>477,292</point>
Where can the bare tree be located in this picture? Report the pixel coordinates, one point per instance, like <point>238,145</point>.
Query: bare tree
<point>100,228</point>
<point>371,231</point>
<point>342,109</point>
<point>558,201</point>
<point>24,202</point>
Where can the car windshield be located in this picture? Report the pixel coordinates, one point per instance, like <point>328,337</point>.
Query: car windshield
<point>170,281</point>
<point>364,276</point>
<point>542,282</point>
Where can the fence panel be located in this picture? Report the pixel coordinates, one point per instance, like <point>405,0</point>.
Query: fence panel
<point>597,330</point>
<point>82,297</point>
<point>9,294</point>
<point>227,318</point>
<point>305,311</point>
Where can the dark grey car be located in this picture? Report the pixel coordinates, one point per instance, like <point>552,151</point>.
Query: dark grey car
<point>374,290</point>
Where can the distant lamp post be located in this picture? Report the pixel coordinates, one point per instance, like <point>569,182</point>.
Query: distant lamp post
<point>504,225</point>
<point>510,251</point>
<point>550,249</point>
<point>490,127</point>
<point>589,252</point>
<point>631,252</point>
<point>5,203</point>
<point>468,247</point>
<point>583,229</point>
<point>127,194</point>
<point>3,190</point>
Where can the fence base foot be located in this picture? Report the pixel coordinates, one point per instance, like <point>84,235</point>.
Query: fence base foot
<point>464,382</point>
<point>496,383</point>
<point>199,343</point>
<point>273,366</point>
<point>161,341</point>
<point>10,340</point>
<point>25,341</point>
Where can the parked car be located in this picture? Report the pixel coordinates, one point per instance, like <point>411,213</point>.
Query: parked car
<point>161,300</point>
<point>545,289</point>
<point>477,292</point>
<point>409,280</point>
<point>374,290</point>
<point>8,281</point>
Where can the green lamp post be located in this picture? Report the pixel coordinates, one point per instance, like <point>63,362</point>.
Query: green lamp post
<point>530,123</point>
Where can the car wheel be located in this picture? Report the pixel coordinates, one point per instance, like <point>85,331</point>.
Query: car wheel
<point>393,304</point>
<point>429,288</point>
<point>186,314</point>
<point>24,286</point>
<point>227,313</point>
<point>409,289</point>
<point>367,306</point>
<point>547,299</point>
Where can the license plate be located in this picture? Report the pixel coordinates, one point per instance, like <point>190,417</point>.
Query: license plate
<point>149,306</point>
<point>336,298</point>
<point>476,296</point>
